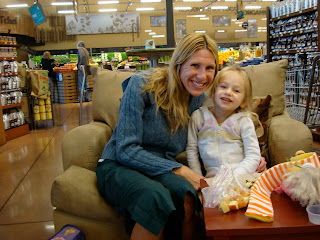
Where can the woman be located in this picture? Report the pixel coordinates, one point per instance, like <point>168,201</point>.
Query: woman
<point>137,173</point>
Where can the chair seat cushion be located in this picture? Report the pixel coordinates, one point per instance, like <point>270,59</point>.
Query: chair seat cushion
<point>75,191</point>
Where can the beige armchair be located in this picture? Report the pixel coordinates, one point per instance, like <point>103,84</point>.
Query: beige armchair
<point>74,193</point>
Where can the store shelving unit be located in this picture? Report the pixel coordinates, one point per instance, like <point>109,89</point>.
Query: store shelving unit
<point>285,38</point>
<point>15,131</point>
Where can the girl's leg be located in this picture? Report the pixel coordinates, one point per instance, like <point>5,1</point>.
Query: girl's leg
<point>140,233</point>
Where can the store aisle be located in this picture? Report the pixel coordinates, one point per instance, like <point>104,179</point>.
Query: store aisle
<point>28,166</point>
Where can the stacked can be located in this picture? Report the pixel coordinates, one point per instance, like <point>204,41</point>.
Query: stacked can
<point>42,109</point>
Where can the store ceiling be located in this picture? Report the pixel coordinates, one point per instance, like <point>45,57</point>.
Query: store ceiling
<point>130,6</point>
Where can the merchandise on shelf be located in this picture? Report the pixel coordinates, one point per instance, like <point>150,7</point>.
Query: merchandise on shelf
<point>42,109</point>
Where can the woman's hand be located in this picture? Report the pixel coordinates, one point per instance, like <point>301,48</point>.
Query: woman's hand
<point>190,175</point>
<point>262,166</point>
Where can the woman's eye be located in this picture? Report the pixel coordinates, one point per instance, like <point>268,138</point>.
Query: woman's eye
<point>194,65</point>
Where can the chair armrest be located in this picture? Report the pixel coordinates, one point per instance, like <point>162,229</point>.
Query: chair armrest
<point>286,137</point>
<point>83,146</point>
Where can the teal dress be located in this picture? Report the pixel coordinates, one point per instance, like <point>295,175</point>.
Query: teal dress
<point>135,170</point>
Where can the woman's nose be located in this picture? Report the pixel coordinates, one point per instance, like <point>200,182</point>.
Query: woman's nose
<point>201,74</point>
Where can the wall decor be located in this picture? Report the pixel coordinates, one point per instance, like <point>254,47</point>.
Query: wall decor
<point>103,23</point>
<point>181,28</point>
<point>252,28</point>
<point>158,21</point>
<point>221,21</point>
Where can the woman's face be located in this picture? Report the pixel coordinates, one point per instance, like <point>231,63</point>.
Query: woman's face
<point>198,71</point>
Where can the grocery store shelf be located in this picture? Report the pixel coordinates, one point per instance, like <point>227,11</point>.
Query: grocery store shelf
<point>12,105</point>
<point>13,133</point>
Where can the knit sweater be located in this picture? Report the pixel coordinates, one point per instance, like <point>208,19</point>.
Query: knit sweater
<point>142,139</point>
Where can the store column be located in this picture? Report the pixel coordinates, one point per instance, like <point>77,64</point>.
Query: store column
<point>169,22</point>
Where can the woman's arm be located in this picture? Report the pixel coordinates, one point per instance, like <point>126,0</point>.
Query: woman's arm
<point>190,175</point>
<point>130,130</point>
<point>251,148</point>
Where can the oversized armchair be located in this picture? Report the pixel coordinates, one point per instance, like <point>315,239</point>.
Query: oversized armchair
<point>74,193</point>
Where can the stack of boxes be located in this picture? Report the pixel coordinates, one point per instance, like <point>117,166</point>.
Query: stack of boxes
<point>67,84</point>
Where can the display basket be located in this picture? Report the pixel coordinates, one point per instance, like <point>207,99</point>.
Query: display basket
<point>302,93</point>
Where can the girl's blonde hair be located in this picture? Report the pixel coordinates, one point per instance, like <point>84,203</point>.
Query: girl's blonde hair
<point>166,85</point>
<point>247,84</point>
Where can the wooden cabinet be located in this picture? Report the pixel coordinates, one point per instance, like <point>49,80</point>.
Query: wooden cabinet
<point>293,33</point>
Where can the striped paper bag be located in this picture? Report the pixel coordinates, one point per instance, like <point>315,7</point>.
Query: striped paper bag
<point>260,206</point>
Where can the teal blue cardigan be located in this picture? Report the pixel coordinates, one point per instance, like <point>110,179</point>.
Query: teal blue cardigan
<point>142,139</point>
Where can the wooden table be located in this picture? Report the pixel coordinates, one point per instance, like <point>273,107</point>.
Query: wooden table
<point>290,223</point>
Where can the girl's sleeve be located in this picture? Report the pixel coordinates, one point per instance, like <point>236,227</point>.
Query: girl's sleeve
<point>130,129</point>
<point>251,148</point>
<point>192,150</point>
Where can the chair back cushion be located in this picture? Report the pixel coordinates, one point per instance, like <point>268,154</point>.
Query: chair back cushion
<point>107,92</point>
<point>269,79</point>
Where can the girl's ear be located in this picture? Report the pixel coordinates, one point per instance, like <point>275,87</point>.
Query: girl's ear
<point>243,104</point>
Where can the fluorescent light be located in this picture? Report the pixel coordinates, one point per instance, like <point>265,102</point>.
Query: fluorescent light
<point>108,10</point>
<point>147,30</point>
<point>150,1</point>
<point>252,7</point>
<point>200,16</point>
<point>221,31</point>
<point>204,18</point>
<point>269,0</point>
<point>193,0</point>
<point>107,2</point>
<point>66,11</point>
<point>233,20</point>
<point>144,9</point>
<point>200,31</point>
<point>262,27</point>
<point>240,30</point>
<point>182,8</point>
<point>61,3</point>
<point>152,33</point>
<point>232,0</point>
<point>219,7</point>
<point>17,5</point>
<point>238,22</point>
<point>158,36</point>
<point>263,19</point>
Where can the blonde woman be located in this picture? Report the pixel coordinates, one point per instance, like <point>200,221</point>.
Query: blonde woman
<point>137,173</point>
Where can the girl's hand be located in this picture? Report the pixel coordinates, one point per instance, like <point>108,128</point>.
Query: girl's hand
<point>262,166</point>
<point>190,175</point>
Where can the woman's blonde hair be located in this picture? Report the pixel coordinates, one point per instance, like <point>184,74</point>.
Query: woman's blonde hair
<point>165,83</point>
<point>247,84</point>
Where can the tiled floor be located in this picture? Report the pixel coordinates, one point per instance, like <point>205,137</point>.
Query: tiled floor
<point>28,166</point>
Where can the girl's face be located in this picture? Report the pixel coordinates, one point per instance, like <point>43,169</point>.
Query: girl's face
<point>230,94</point>
<point>198,71</point>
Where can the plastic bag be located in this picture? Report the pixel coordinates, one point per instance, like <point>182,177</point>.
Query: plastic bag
<point>227,191</point>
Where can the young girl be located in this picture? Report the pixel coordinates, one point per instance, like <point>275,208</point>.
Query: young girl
<point>224,133</point>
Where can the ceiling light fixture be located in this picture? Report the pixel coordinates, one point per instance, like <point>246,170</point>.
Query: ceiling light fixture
<point>61,3</point>
<point>158,36</point>
<point>66,11</point>
<point>108,2</point>
<point>193,0</point>
<point>147,30</point>
<point>144,9</point>
<point>219,7</point>
<point>252,7</point>
<point>150,1</point>
<point>199,16</point>
<point>17,5</point>
<point>200,31</point>
<point>182,8</point>
<point>108,10</point>
<point>221,31</point>
<point>204,18</point>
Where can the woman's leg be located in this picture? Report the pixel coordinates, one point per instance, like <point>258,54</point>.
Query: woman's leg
<point>136,197</point>
<point>140,233</point>
<point>189,221</point>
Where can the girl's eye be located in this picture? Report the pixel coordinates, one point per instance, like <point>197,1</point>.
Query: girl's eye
<point>222,86</point>
<point>236,90</point>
